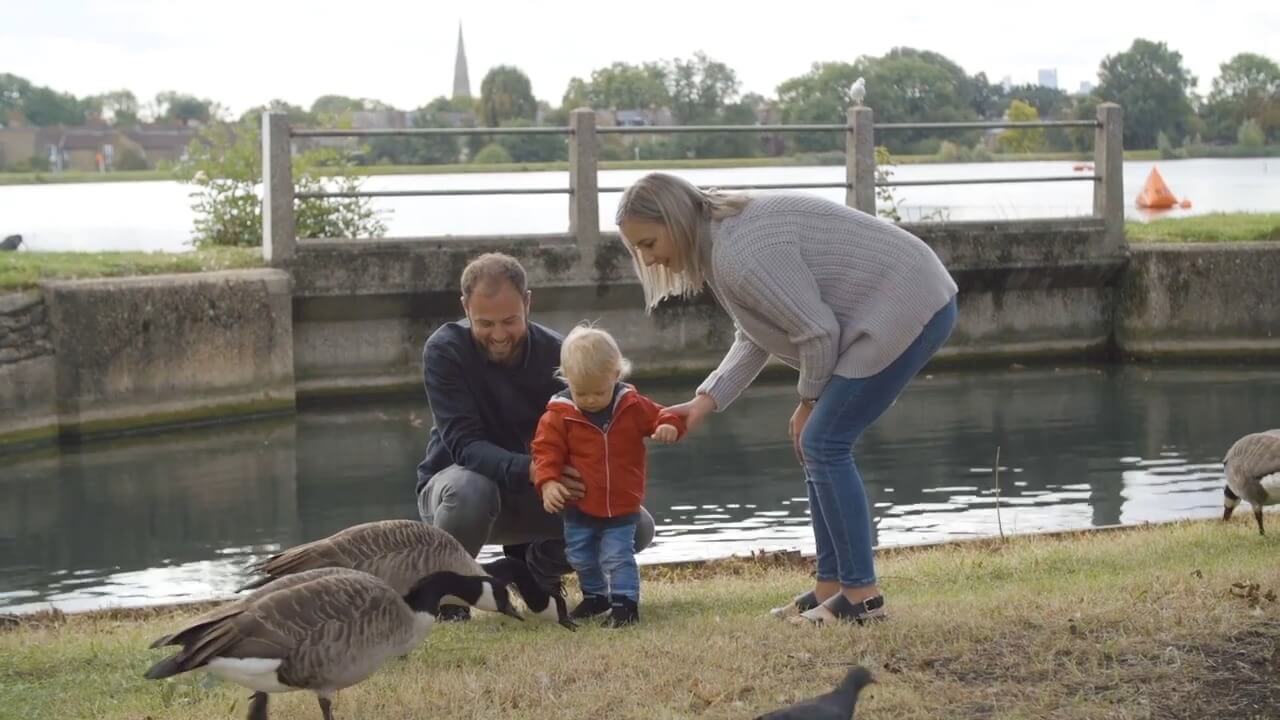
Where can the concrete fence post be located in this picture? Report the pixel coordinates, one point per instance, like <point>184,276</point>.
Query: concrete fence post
<point>1108,164</point>
<point>584,199</point>
<point>860,160</point>
<point>279,243</point>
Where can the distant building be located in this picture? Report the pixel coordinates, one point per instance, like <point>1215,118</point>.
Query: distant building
<point>634,117</point>
<point>461,80</point>
<point>91,149</point>
<point>381,119</point>
<point>453,119</point>
<point>18,145</point>
<point>767,113</point>
<point>162,144</point>
<point>1006,82</point>
<point>1048,78</point>
<point>1086,87</point>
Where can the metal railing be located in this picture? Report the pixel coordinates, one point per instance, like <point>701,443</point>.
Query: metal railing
<point>279,242</point>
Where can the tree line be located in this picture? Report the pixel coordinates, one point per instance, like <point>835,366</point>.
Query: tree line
<point>1162,109</point>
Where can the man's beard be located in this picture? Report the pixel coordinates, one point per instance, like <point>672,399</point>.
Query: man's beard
<point>514,352</point>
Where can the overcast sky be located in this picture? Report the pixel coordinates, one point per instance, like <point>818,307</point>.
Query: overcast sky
<point>245,52</point>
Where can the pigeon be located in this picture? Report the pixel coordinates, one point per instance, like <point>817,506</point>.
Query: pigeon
<point>835,705</point>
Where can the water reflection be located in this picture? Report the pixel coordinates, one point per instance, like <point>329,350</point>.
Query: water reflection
<point>176,516</point>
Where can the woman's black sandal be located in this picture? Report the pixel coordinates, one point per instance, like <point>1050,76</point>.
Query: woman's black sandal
<point>839,608</point>
<point>800,603</point>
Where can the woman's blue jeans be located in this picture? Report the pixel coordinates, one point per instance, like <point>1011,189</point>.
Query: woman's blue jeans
<point>838,507</point>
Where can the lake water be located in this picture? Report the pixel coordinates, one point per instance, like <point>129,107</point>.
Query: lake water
<point>157,215</point>
<point>176,516</point>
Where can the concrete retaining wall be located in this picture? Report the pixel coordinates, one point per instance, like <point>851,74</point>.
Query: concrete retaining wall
<point>121,354</point>
<point>1201,300</point>
<point>362,310</point>
<point>177,348</point>
<point>83,357</point>
<point>27,411</point>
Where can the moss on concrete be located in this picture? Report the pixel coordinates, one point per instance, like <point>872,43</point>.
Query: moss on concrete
<point>205,414</point>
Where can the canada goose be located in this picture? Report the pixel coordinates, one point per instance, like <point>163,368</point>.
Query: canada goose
<point>399,552</point>
<point>325,632</point>
<point>1253,473</point>
<point>225,610</point>
<point>835,705</point>
<point>11,243</point>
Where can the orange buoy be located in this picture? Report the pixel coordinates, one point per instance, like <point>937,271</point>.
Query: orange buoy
<point>1155,193</point>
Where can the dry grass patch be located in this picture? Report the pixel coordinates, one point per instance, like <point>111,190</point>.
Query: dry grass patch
<point>1170,622</point>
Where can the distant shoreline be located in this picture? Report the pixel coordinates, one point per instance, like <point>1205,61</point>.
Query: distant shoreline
<point>803,160</point>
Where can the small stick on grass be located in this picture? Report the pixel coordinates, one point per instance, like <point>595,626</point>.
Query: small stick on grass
<point>999,521</point>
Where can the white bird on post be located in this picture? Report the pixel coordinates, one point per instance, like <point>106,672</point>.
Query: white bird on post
<point>858,91</point>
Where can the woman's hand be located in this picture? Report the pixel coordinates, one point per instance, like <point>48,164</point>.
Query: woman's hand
<point>798,419</point>
<point>554,496</point>
<point>694,411</point>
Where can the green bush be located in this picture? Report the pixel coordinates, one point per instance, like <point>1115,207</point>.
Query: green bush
<point>37,163</point>
<point>951,152</point>
<point>130,159</point>
<point>1165,147</point>
<point>1250,134</point>
<point>492,154</point>
<point>224,163</point>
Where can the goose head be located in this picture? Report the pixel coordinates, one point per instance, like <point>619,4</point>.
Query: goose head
<point>1229,502</point>
<point>445,587</point>
<point>546,604</point>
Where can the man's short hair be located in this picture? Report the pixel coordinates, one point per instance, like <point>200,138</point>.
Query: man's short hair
<point>490,268</point>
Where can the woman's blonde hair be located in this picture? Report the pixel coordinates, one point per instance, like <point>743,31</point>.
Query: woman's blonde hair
<point>589,352</point>
<point>687,212</point>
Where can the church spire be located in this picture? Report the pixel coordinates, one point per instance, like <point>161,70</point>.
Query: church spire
<point>461,81</point>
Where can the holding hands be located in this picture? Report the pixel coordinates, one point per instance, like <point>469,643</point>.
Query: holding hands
<point>554,496</point>
<point>568,489</point>
<point>666,434</point>
<point>694,411</point>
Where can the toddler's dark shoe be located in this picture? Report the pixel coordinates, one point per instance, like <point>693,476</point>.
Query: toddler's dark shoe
<point>591,606</point>
<point>623,611</point>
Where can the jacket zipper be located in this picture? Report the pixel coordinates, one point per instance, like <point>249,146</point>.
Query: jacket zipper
<point>608,476</point>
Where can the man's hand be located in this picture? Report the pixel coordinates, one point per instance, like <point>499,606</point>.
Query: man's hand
<point>666,434</point>
<point>572,481</point>
<point>694,411</point>
<point>554,496</point>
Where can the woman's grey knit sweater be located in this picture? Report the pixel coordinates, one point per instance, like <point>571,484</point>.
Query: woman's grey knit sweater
<point>823,287</point>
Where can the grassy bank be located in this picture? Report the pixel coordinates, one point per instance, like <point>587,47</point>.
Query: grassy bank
<point>1215,227</point>
<point>21,270</point>
<point>1175,621</point>
<point>80,176</point>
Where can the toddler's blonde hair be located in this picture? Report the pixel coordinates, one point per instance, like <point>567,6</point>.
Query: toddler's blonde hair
<point>589,352</point>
